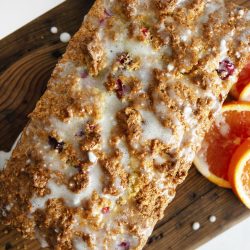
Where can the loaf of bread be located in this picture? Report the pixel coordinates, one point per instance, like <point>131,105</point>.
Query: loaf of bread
<point>124,112</point>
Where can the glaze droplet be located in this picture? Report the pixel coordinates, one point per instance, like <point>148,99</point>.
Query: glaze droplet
<point>196,226</point>
<point>54,30</point>
<point>212,218</point>
<point>65,37</point>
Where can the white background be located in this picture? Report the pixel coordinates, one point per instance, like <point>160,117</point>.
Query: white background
<point>16,13</point>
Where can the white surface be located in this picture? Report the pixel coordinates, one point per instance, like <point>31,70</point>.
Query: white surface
<point>236,238</point>
<point>16,13</point>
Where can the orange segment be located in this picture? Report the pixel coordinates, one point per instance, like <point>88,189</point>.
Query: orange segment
<point>203,168</point>
<point>245,94</point>
<point>243,80</point>
<point>226,134</point>
<point>239,172</point>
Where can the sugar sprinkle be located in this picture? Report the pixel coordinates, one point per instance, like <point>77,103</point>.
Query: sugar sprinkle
<point>53,30</point>
<point>212,218</point>
<point>65,37</point>
<point>196,226</point>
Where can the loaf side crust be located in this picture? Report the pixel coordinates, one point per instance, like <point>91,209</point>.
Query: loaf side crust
<point>125,110</point>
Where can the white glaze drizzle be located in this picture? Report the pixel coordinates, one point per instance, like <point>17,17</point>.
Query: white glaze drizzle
<point>71,199</point>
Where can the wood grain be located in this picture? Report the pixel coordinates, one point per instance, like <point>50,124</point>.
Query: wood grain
<point>27,58</point>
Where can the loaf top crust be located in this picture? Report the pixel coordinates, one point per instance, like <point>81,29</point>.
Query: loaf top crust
<point>125,111</point>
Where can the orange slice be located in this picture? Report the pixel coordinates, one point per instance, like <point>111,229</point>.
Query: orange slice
<point>226,134</point>
<point>245,94</point>
<point>243,80</point>
<point>239,172</point>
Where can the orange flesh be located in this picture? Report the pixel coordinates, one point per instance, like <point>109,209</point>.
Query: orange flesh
<point>221,148</point>
<point>244,79</point>
<point>239,172</point>
<point>245,178</point>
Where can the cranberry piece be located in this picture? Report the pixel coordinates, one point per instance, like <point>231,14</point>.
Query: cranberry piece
<point>107,13</point>
<point>92,127</point>
<point>55,144</point>
<point>119,88</point>
<point>144,31</point>
<point>105,210</point>
<point>122,60</point>
<point>125,245</point>
<point>84,74</point>
<point>226,69</point>
<point>125,60</point>
<point>80,133</point>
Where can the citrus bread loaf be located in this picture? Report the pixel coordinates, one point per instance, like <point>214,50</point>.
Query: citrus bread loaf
<point>125,110</point>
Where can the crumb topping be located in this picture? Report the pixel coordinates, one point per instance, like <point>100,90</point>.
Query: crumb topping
<point>125,111</point>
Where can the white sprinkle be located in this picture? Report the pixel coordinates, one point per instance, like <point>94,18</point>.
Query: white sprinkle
<point>223,47</point>
<point>187,111</point>
<point>185,35</point>
<point>79,244</point>
<point>196,226</point>
<point>222,125</point>
<point>170,67</point>
<point>248,16</point>
<point>237,54</point>
<point>41,239</point>
<point>161,186</point>
<point>92,157</point>
<point>8,207</point>
<point>241,12</point>
<point>159,160</point>
<point>65,37</point>
<point>212,218</point>
<point>28,161</point>
<point>184,38</point>
<point>53,30</point>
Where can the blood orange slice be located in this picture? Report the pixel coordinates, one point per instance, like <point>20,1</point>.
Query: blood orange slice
<point>230,128</point>
<point>243,80</point>
<point>239,172</point>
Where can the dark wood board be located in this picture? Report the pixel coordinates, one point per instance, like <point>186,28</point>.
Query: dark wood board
<point>27,58</point>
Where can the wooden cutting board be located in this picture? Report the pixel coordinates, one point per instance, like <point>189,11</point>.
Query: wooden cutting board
<point>27,58</point>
